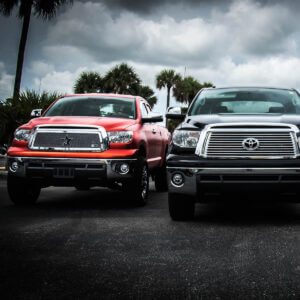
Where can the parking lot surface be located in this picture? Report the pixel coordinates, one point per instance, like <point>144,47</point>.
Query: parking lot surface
<point>2,161</point>
<point>93,245</point>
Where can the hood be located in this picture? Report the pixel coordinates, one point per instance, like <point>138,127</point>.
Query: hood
<point>201,120</point>
<point>107,123</point>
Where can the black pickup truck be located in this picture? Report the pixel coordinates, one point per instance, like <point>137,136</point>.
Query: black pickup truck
<point>233,139</point>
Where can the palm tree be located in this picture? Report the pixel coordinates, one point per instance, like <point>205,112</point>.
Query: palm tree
<point>186,89</point>
<point>122,79</point>
<point>41,8</point>
<point>167,78</point>
<point>88,82</point>
<point>148,94</point>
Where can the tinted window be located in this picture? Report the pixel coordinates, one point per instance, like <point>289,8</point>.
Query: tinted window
<point>94,107</point>
<point>246,101</point>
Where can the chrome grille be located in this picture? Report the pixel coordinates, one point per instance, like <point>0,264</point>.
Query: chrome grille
<point>230,142</point>
<point>69,139</point>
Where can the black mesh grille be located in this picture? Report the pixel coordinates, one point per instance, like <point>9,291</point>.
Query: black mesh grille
<point>72,140</point>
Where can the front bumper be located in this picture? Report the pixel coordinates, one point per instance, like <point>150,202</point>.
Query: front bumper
<point>70,171</point>
<point>201,176</point>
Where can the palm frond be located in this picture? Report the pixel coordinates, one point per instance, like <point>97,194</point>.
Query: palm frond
<point>48,9</point>
<point>7,6</point>
<point>88,82</point>
<point>122,79</point>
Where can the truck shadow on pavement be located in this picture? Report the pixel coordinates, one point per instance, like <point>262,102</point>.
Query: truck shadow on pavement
<point>96,198</point>
<point>237,210</point>
<point>102,203</point>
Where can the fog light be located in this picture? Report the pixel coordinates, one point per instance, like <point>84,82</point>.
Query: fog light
<point>194,171</point>
<point>14,167</point>
<point>177,179</point>
<point>124,169</point>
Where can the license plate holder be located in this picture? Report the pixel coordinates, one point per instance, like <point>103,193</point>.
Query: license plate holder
<point>63,173</point>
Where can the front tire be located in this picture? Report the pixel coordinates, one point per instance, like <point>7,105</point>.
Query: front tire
<point>138,187</point>
<point>22,191</point>
<point>181,207</point>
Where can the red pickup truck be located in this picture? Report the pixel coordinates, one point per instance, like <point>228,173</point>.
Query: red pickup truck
<point>87,140</point>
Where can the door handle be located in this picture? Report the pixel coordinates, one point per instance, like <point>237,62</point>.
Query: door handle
<point>154,131</point>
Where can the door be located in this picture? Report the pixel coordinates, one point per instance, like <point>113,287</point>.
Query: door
<point>157,139</point>
<point>151,135</point>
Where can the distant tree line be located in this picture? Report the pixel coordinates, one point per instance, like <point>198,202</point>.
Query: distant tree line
<point>121,79</point>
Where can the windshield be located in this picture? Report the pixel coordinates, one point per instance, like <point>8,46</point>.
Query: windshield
<point>246,101</point>
<point>94,107</point>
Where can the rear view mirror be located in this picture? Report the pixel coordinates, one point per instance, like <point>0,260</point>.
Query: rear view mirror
<point>175,112</point>
<point>152,118</point>
<point>36,113</point>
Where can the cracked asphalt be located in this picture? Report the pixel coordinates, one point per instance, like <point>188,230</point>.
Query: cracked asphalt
<point>92,245</point>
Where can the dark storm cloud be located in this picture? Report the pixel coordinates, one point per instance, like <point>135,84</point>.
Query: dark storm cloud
<point>149,6</point>
<point>168,40</point>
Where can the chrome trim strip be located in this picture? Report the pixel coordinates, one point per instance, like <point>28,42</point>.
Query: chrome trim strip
<point>238,170</point>
<point>70,159</point>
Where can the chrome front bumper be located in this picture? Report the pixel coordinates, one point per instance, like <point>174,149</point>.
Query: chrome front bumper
<point>69,168</point>
<point>193,178</point>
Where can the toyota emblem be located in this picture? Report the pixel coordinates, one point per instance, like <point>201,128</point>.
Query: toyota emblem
<point>250,144</point>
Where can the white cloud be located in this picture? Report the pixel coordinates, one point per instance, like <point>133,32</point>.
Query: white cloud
<point>274,71</point>
<point>256,29</point>
<point>40,68</point>
<point>56,81</point>
<point>6,83</point>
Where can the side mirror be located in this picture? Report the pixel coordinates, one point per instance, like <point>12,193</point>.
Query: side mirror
<point>175,112</point>
<point>152,118</point>
<point>36,113</point>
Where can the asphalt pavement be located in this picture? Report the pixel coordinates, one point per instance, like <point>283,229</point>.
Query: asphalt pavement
<point>93,245</point>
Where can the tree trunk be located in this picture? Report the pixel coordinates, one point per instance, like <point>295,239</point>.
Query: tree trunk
<point>22,45</point>
<point>168,102</point>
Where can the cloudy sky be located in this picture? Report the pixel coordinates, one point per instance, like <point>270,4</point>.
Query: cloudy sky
<point>239,42</point>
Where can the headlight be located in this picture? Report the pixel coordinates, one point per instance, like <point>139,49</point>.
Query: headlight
<point>22,135</point>
<point>120,136</point>
<point>185,138</point>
